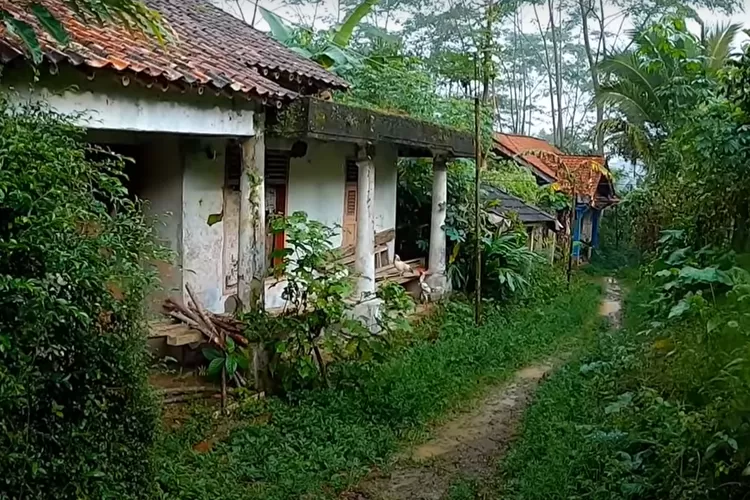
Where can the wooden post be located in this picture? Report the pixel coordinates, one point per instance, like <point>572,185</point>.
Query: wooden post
<point>252,238</point>
<point>477,204</point>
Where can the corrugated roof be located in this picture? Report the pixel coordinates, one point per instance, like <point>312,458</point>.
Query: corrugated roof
<point>210,48</point>
<point>528,214</point>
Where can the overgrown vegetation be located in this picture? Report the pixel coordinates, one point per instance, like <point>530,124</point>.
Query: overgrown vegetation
<point>77,418</point>
<point>658,410</point>
<point>320,442</point>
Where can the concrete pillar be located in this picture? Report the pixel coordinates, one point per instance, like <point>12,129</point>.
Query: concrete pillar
<point>364,264</point>
<point>252,220</point>
<point>437,279</point>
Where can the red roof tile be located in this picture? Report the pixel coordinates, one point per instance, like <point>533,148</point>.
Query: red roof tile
<point>586,171</point>
<point>528,148</point>
<point>210,48</point>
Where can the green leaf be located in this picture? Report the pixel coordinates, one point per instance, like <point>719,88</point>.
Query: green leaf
<point>50,23</point>
<point>214,368</point>
<point>231,346</point>
<point>344,34</point>
<point>215,219</point>
<point>713,324</point>
<point>707,275</point>
<point>279,29</point>
<point>25,32</point>
<point>680,309</point>
<point>678,256</point>
<point>242,360</point>
<point>212,354</point>
<point>231,365</point>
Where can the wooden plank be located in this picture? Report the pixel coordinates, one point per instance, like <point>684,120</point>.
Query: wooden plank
<point>188,336</point>
<point>159,329</point>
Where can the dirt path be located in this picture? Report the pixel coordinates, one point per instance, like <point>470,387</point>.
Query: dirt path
<point>470,445</point>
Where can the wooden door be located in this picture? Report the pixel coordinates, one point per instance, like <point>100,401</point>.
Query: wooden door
<point>349,230</point>
<point>349,235</point>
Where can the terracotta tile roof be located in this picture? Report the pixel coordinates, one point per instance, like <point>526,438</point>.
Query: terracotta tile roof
<point>211,48</point>
<point>514,145</point>
<point>587,171</point>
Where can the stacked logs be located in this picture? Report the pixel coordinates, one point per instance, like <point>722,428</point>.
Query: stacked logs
<point>215,327</point>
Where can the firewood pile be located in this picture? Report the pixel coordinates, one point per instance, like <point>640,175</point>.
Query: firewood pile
<point>215,327</point>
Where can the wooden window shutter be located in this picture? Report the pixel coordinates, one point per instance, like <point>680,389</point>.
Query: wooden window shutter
<point>277,167</point>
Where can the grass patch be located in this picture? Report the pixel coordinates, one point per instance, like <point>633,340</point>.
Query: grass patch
<point>321,442</point>
<point>652,411</point>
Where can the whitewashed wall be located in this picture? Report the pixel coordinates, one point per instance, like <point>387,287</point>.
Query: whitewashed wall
<point>316,183</point>
<point>316,186</point>
<point>386,183</point>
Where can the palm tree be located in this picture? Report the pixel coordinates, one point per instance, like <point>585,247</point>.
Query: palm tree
<point>667,68</point>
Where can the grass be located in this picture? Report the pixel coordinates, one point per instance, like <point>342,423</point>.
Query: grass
<point>651,411</point>
<point>322,442</point>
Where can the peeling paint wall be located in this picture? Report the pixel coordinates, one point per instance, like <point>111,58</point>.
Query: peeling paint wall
<point>203,196</point>
<point>162,187</point>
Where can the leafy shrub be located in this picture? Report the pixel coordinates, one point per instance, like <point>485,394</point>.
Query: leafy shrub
<point>318,323</point>
<point>683,275</point>
<point>77,419</point>
<point>657,410</point>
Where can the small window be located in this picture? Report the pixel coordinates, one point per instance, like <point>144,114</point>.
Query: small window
<point>352,171</point>
<point>233,165</point>
<point>277,167</point>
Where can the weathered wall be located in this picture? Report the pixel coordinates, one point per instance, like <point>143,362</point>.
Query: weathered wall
<point>106,104</point>
<point>316,183</point>
<point>156,177</point>
<point>386,178</point>
<point>162,186</point>
<point>203,196</point>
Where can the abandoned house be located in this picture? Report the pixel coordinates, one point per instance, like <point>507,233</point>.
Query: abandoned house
<point>222,134</point>
<point>585,176</point>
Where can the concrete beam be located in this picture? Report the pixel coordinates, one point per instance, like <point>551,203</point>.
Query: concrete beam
<point>119,110</point>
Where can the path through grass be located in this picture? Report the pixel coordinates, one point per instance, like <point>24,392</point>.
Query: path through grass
<point>324,441</point>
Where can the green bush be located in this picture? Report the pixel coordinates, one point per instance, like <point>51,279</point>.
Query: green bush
<point>77,419</point>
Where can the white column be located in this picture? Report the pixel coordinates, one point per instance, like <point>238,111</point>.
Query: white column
<point>437,225</point>
<point>364,264</point>
<point>252,220</point>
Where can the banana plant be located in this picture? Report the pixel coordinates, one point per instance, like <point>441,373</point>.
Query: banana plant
<point>332,53</point>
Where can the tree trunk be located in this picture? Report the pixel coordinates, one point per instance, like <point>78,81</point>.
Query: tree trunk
<point>548,66</point>
<point>585,9</point>
<point>558,74</point>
